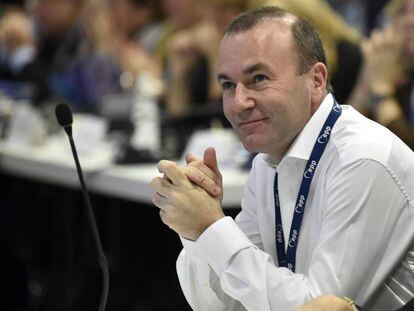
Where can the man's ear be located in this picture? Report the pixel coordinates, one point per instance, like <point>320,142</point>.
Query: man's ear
<point>319,76</point>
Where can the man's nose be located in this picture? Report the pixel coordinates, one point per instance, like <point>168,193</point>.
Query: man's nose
<point>243,99</point>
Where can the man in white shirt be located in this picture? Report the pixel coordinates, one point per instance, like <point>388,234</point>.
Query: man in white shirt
<point>328,207</point>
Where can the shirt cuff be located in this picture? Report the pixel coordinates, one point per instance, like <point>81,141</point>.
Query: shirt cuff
<point>190,247</point>
<point>220,242</point>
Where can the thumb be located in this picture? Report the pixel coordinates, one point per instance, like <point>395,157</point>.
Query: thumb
<point>210,159</point>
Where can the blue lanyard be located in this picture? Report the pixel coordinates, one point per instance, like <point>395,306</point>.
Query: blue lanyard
<point>288,259</point>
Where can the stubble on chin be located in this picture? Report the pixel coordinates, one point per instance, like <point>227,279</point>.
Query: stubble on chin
<point>253,143</point>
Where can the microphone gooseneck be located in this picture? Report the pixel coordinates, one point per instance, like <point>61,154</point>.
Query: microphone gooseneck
<point>65,119</point>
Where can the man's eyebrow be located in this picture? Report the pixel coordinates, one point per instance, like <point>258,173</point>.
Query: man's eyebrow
<point>246,71</point>
<point>222,76</point>
<point>253,68</point>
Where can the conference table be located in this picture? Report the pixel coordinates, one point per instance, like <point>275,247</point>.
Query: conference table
<point>50,242</point>
<point>47,163</point>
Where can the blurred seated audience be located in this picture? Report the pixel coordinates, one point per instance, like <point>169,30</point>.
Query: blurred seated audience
<point>385,90</point>
<point>178,15</point>
<point>88,53</point>
<point>363,15</point>
<point>134,34</point>
<point>191,61</point>
<point>354,12</point>
<point>17,52</point>
<point>62,63</point>
<point>340,41</point>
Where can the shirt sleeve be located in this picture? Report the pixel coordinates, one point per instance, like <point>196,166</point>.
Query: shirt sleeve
<point>363,206</point>
<point>361,238</point>
<point>200,284</point>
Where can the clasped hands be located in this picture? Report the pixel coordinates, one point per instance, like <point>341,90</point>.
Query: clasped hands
<point>189,197</point>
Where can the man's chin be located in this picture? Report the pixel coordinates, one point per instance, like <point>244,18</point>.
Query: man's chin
<point>251,146</point>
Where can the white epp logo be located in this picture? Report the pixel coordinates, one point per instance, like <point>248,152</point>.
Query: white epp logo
<point>301,204</point>
<point>279,232</point>
<point>323,139</point>
<point>309,172</point>
<point>336,108</point>
<point>292,242</point>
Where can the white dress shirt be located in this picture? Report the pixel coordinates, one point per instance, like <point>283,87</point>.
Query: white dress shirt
<point>357,229</point>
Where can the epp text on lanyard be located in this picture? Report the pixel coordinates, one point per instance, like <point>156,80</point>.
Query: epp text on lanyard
<point>288,259</point>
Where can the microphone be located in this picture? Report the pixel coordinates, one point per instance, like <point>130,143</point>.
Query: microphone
<point>65,119</point>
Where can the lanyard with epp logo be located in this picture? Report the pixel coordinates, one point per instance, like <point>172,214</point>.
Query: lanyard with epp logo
<point>288,259</point>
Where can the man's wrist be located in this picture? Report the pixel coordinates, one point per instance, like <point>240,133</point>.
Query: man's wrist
<point>210,223</point>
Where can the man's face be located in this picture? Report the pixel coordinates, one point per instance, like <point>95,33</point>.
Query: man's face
<point>264,98</point>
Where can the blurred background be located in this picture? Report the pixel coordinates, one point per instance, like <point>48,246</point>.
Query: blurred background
<point>140,77</point>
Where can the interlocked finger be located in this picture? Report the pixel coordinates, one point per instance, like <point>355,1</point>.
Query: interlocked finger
<point>174,173</point>
<point>198,176</point>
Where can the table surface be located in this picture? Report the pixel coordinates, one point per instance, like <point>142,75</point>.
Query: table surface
<point>52,164</point>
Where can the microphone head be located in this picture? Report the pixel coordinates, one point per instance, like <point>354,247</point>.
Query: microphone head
<point>63,115</point>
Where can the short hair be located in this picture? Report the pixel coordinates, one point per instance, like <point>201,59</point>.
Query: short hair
<point>306,40</point>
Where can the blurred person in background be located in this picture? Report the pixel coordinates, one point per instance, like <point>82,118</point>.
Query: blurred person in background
<point>192,57</point>
<point>18,50</point>
<point>129,31</point>
<point>178,15</point>
<point>135,32</point>
<point>138,20</point>
<point>340,41</point>
<point>64,63</point>
<point>363,15</point>
<point>353,11</point>
<point>385,90</point>
<point>79,68</point>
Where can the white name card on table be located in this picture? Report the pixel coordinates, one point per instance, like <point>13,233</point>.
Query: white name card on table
<point>229,150</point>
<point>26,126</point>
<point>89,133</point>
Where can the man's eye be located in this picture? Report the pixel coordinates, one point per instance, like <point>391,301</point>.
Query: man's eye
<point>227,85</point>
<point>259,78</point>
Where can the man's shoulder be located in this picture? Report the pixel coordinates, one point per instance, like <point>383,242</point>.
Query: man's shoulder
<point>357,137</point>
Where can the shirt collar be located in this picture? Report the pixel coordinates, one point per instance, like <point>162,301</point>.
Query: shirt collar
<point>302,146</point>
